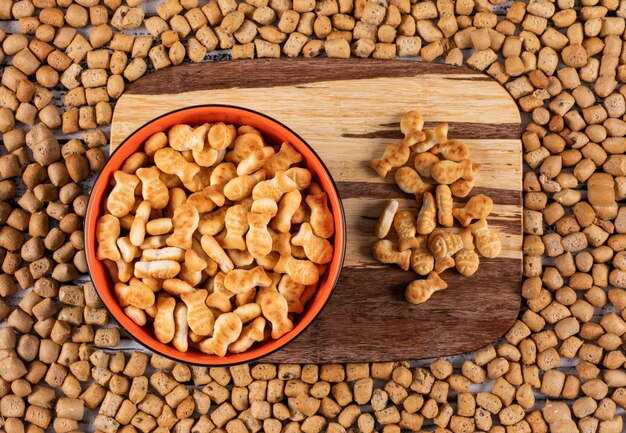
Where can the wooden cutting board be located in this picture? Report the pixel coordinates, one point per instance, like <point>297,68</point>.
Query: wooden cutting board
<point>348,111</point>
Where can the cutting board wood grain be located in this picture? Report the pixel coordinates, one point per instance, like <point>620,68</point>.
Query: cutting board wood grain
<point>349,111</point>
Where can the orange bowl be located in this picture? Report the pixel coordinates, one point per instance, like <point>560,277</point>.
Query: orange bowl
<point>275,133</point>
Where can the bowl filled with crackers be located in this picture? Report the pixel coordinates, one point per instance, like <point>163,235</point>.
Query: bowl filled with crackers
<point>214,235</point>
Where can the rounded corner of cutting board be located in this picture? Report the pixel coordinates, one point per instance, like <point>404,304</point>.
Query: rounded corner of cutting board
<point>505,326</point>
<point>514,109</point>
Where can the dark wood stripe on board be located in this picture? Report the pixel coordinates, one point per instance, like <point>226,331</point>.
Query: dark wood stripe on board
<point>372,264</point>
<point>276,72</point>
<point>387,190</point>
<point>505,227</point>
<point>456,130</point>
<point>461,311</point>
<point>400,277</point>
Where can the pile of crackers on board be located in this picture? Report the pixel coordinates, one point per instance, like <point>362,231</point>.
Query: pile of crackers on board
<point>424,242</point>
<point>215,237</point>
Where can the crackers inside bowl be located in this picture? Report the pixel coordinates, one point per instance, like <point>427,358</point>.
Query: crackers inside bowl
<point>214,235</point>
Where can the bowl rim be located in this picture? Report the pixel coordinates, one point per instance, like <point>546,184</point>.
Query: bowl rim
<point>342,245</point>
